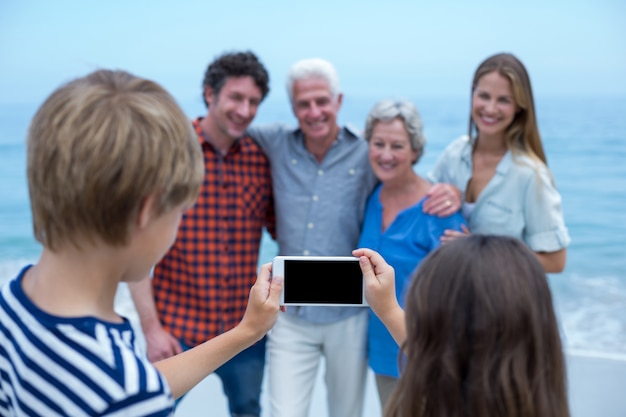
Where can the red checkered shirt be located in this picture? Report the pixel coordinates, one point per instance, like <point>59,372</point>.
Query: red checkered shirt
<point>201,286</point>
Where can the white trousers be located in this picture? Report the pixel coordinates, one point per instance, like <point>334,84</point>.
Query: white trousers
<point>295,348</point>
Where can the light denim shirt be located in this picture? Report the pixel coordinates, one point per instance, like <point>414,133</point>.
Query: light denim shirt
<point>519,201</point>
<point>319,206</point>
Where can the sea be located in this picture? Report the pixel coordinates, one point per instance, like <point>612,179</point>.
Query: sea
<point>585,142</point>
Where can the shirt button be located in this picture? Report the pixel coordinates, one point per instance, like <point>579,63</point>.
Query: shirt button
<point>320,172</point>
<point>305,252</point>
<point>294,161</point>
<point>352,171</point>
<point>315,198</point>
<point>310,225</point>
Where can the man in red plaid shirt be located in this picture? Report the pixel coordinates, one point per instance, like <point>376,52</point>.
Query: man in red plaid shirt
<point>200,288</point>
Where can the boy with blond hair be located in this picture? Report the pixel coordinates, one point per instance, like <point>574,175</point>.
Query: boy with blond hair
<point>112,165</point>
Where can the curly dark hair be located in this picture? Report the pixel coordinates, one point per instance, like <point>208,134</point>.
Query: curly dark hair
<point>235,64</point>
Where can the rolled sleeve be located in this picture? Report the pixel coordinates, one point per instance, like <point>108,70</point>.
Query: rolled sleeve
<point>545,226</point>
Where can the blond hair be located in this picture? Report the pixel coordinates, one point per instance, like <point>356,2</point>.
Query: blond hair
<point>97,148</point>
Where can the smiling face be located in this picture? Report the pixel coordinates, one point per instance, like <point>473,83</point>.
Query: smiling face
<point>493,105</point>
<point>316,110</point>
<point>390,152</point>
<point>234,108</point>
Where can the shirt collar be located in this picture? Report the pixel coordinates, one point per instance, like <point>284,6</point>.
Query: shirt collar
<point>204,141</point>
<point>347,132</point>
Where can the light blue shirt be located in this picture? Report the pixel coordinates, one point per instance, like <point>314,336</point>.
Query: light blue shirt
<point>520,200</point>
<point>319,206</point>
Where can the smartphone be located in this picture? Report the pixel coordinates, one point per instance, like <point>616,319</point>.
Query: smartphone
<point>320,280</point>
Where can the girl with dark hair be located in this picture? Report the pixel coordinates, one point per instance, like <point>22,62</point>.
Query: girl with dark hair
<point>479,332</point>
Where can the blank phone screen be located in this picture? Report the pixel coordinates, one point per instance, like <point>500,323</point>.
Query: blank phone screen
<point>323,282</point>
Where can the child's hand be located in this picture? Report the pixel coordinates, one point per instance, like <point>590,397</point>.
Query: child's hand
<point>263,302</point>
<point>380,292</point>
<point>379,279</point>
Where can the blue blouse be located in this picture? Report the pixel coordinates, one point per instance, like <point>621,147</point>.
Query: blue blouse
<point>411,236</point>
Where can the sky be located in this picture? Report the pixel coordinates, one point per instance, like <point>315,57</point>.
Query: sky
<point>384,48</point>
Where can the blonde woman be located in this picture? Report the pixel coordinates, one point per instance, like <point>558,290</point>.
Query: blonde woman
<point>501,166</point>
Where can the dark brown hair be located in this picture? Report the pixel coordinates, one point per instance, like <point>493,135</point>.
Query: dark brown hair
<point>235,64</point>
<point>482,337</point>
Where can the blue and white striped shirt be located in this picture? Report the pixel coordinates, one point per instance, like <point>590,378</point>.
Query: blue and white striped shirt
<point>78,366</point>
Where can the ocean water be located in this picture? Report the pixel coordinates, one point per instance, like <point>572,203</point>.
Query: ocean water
<point>585,141</point>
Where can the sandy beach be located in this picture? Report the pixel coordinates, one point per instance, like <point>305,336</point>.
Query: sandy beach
<point>596,384</point>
